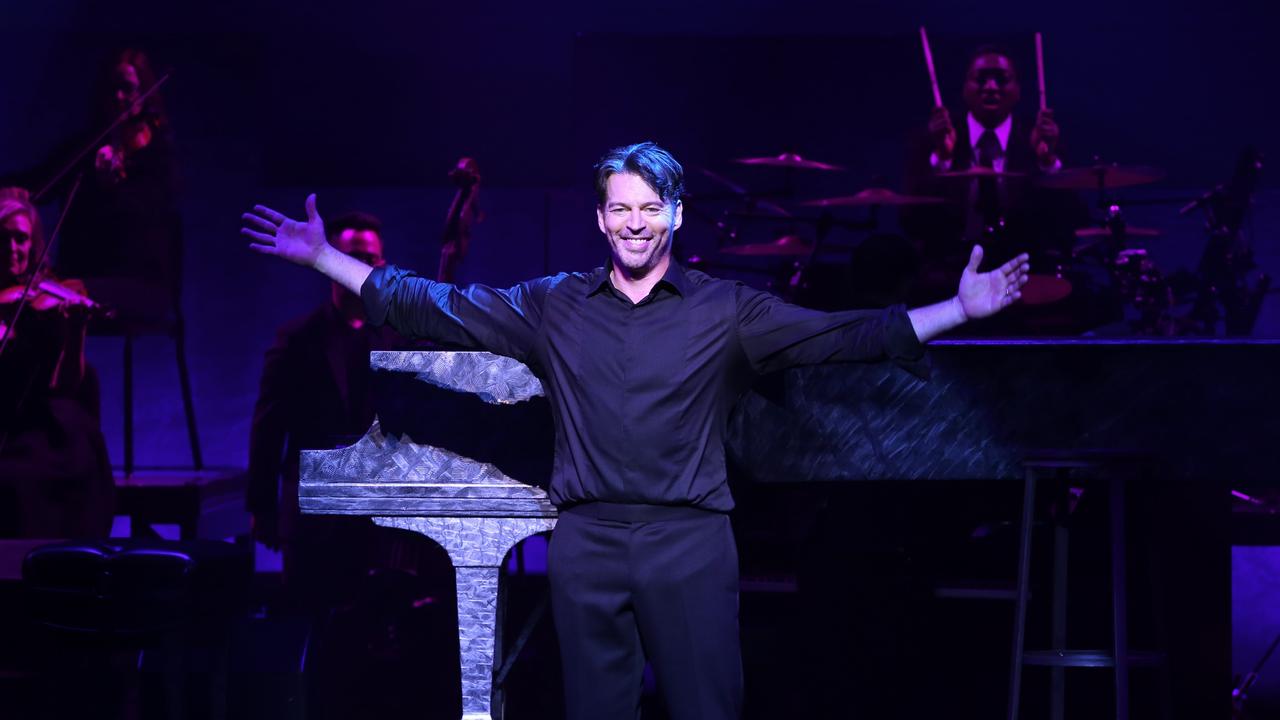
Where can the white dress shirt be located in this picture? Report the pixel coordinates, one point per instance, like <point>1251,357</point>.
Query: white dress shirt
<point>1002,135</point>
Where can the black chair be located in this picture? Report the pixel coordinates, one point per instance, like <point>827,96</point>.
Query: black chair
<point>167,604</point>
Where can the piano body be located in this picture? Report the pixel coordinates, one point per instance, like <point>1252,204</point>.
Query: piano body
<point>461,448</point>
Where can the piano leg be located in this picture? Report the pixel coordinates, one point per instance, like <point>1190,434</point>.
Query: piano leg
<point>476,547</point>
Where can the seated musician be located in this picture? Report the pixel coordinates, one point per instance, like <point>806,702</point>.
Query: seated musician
<point>55,479</point>
<point>1008,213</point>
<point>315,391</point>
<point>123,230</point>
<point>315,394</point>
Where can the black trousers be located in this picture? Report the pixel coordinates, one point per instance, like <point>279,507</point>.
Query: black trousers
<point>662,589</point>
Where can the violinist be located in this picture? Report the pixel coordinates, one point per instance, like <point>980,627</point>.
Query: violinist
<point>123,231</point>
<point>55,478</point>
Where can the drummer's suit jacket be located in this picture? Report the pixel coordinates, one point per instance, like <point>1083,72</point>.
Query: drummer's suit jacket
<point>1036,219</point>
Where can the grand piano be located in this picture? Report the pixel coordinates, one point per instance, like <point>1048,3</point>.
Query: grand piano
<point>460,451</point>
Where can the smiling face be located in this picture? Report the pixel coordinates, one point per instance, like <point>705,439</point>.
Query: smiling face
<point>638,224</point>
<point>991,88</point>
<point>16,232</point>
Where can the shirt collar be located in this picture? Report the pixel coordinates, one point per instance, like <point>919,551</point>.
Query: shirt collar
<point>597,279</point>
<point>674,278</point>
<point>1002,132</point>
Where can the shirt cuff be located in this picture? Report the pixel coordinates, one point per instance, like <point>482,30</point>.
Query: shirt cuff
<point>901,344</point>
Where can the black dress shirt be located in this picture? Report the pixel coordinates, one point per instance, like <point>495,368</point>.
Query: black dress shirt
<point>640,393</point>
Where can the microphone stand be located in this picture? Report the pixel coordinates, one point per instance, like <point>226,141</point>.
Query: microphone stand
<point>1240,692</point>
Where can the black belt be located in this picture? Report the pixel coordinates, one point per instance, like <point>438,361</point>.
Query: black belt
<point>638,512</point>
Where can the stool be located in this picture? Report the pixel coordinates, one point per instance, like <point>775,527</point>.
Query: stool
<point>175,330</point>
<point>1119,657</point>
<point>146,309</point>
<point>140,595</point>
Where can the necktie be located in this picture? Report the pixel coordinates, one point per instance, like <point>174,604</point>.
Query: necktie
<point>987,204</point>
<point>988,149</point>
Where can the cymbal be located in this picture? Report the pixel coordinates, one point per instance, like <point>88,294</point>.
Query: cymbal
<point>1092,236</point>
<point>1101,175</point>
<point>754,199</point>
<point>1129,230</point>
<point>1045,289</point>
<point>789,160</point>
<point>873,196</point>
<point>787,245</point>
<point>980,171</point>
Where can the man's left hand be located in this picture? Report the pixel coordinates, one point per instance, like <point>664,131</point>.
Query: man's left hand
<point>1044,138</point>
<point>984,294</point>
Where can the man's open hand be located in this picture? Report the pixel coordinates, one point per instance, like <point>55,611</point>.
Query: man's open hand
<point>272,233</point>
<point>984,294</point>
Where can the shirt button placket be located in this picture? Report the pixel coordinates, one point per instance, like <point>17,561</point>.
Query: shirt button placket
<point>629,352</point>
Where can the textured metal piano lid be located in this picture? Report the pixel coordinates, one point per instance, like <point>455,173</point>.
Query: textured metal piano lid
<point>494,378</point>
<point>383,475</point>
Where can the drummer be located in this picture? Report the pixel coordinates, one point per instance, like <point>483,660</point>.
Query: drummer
<point>991,136</point>
<point>1004,210</point>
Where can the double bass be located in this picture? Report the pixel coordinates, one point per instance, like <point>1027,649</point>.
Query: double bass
<point>464,211</point>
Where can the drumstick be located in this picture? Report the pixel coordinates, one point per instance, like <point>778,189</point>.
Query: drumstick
<point>933,74</point>
<point>1044,102</point>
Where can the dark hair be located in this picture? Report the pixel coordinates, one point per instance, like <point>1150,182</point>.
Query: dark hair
<point>153,107</point>
<point>990,49</point>
<point>352,221</point>
<point>655,166</point>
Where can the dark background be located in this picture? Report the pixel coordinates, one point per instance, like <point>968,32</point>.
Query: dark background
<point>369,104</point>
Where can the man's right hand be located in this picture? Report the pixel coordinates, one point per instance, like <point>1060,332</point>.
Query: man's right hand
<point>304,243</point>
<point>943,133</point>
<point>272,233</point>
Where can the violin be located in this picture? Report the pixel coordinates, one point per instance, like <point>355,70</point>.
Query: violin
<point>50,293</point>
<point>113,159</point>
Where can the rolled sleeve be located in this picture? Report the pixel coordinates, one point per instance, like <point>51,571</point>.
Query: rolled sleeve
<point>776,335</point>
<point>901,344</point>
<point>475,317</point>
<point>377,290</point>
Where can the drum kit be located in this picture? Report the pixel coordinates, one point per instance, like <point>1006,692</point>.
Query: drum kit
<point>1110,242</point>
<point>1106,269</point>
